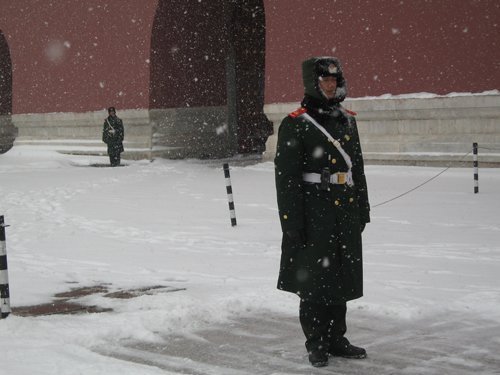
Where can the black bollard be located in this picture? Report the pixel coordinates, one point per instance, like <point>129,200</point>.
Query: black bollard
<point>476,168</point>
<point>229,191</point>
<point>4,276</point>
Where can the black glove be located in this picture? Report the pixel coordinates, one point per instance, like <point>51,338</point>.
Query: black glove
<point>362,226</point>
<point>297,237</point>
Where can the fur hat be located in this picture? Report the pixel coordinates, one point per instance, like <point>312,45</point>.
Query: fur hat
<point>316,67</point>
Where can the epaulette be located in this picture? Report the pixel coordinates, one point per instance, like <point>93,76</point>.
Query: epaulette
<point>297,112</point>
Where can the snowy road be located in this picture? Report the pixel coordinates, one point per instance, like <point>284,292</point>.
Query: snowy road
<point>272,344</point>
<point>432,271</point>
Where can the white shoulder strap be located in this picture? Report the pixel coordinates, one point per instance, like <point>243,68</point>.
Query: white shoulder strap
<point>109,124</point>
<point>330,138</point>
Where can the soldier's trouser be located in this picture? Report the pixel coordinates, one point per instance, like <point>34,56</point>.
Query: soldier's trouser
<point>324,326</point>
<point>114,158</point>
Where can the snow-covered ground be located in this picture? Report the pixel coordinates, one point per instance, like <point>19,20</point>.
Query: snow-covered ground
<point>432,271</point>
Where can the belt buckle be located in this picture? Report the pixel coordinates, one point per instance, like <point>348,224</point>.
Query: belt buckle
<point>341,178</point>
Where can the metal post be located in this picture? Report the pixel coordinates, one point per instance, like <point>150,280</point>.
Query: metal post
<point>229,191</point>
<point>476,168</point>
<point>4,276</point>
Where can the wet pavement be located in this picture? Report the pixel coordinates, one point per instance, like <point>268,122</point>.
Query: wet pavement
<point>273,345</point>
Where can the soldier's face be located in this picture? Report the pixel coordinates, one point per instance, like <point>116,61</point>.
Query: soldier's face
<point>328,85</point>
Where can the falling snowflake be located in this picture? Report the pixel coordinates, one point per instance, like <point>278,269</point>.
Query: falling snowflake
<point>221,129</point>
<point>318,152</point>
<point>56,50</point>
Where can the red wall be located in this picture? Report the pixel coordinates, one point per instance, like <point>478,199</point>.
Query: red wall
<point>391,46</point>
<point>78,56</point>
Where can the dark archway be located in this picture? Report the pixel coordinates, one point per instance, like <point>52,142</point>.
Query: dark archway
<point>7,131</point>
<point>207,77</point>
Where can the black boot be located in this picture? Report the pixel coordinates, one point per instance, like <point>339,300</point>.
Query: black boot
<point>343,348</point>
<point>314,321</point>
<point>318,358</point>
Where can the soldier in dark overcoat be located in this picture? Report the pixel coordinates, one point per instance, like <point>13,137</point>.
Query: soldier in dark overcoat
<point>113,134</point>
<point>323,208</point>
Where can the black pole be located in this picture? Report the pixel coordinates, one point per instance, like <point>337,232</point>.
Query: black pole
<point>4,276</point>
<point>476,168</point>
<point>229,191</point>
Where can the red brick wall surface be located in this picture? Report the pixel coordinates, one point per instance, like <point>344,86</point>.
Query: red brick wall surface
<point>386,46</point>
<point>78,56</point>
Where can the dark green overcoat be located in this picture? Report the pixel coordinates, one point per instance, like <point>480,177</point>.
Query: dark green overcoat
<point>114,140</point>
<point>328,269</point>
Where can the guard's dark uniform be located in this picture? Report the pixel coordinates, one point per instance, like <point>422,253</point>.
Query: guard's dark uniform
<point>113,134</point>
<point>325,268</point>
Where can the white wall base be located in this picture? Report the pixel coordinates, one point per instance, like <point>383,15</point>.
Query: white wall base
<point>418,131</point>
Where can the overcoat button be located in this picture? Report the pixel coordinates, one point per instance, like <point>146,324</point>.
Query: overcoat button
<point>285,217</point>
<point>334,161</point>
<point>351,199</point>
<point>347,137</point>
<point>337,203</point>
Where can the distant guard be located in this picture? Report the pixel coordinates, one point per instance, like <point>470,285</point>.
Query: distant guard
<point>113,134</point>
